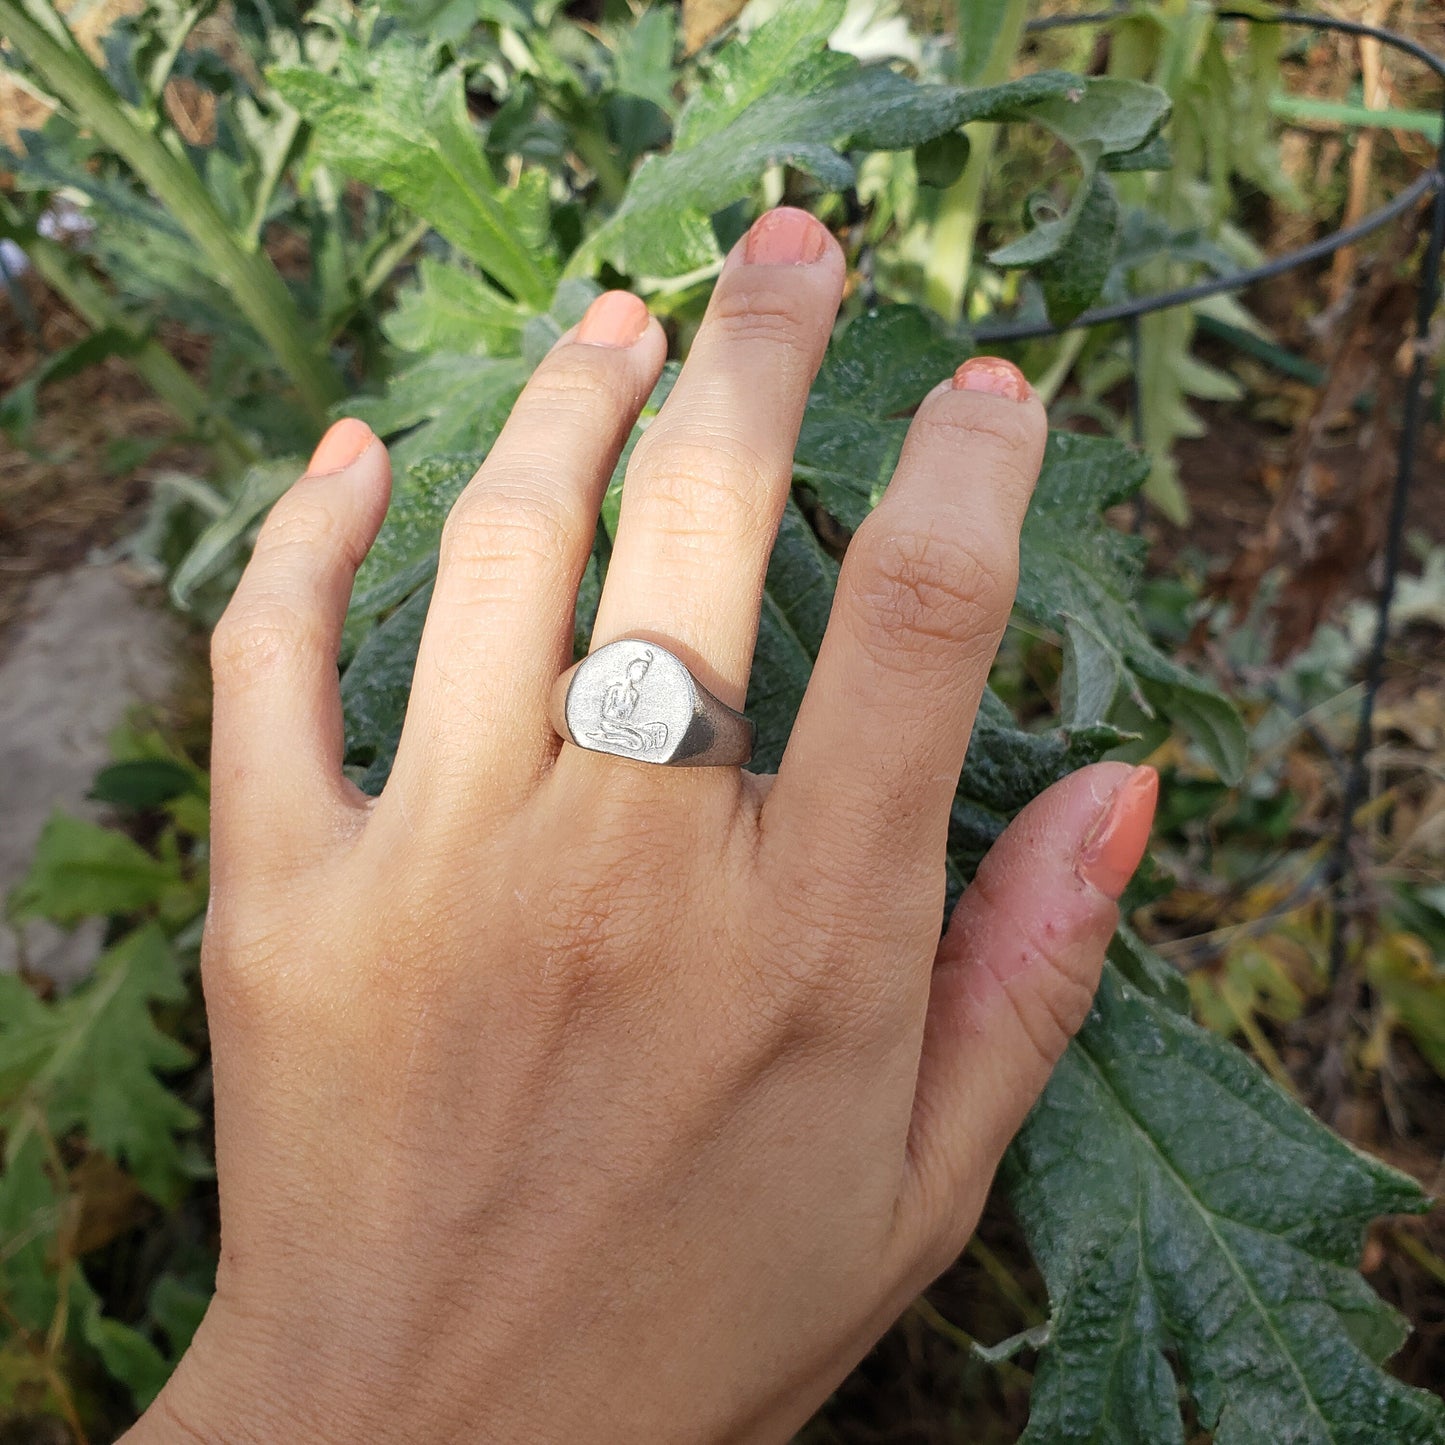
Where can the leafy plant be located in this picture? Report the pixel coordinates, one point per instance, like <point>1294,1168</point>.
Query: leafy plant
<point>504,162</point>
<point>95,1132</point>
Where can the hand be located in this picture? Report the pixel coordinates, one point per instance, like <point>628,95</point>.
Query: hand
<point>564,1098</point>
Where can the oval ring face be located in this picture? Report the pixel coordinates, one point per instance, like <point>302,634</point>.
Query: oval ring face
<point>633,700</point>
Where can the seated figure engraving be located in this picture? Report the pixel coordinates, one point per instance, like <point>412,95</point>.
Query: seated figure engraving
<point>619,705</point>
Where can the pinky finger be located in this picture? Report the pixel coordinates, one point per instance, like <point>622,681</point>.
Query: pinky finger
<point>276,747</point>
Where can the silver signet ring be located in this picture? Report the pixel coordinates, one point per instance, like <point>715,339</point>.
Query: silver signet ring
<point>634,699</point>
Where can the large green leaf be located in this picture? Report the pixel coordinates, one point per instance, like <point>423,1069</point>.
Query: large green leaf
<point>389,120</point>
<point>1078,574</point>
<point>90,1061</point>
<point>1182,1207</point>
<point>781,96</point>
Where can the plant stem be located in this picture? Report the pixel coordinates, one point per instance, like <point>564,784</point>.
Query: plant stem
<point>249,276</point>
<point>955,231</point>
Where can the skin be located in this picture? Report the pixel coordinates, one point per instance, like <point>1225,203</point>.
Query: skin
<point>559,1097</point>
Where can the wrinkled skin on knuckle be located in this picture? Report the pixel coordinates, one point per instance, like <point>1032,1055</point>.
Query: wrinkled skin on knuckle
<point>747,311</point>
<point>576,385</point>
<point>1000,441</point>
<point>257,633</point>
<point>913,583</point>
<point>700,481</point>
<point>304,522</point>
<point>493,535</point>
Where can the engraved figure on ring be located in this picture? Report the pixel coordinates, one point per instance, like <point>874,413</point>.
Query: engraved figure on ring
<point>618,707</point>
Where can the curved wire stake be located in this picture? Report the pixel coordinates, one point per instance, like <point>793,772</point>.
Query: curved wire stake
<point>1342,869</point>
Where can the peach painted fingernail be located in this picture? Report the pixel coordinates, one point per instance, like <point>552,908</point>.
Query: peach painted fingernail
<point>341,446</point>
<point>1115,848</point>
<point>994,375</point>
<point>785,237</point>
<point>615,318</point>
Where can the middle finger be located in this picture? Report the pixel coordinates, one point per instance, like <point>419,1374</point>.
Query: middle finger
<point>709,479</point>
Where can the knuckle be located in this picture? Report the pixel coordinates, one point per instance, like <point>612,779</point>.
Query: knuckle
<point>922,582</point>
<point>573,387</point>
<point>707,483</point>
<point>768,314</point>
<point>1006,437</point>
<point>258,635</point>
<point>493,530</point>
<point>300,522</point>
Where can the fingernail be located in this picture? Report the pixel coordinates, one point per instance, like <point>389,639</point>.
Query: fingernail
<point>1115,848</point>
<point>993,375</point>
<point>341,446</point>
<point>616,318</point>
<point>785,237</point>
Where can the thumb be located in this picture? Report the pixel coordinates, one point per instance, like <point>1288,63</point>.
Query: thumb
<point>1017,971</point>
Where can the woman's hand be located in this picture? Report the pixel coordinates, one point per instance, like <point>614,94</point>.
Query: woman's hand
<point>566,1098</point>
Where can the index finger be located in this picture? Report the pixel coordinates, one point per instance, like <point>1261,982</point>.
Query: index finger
<point>925,592</point>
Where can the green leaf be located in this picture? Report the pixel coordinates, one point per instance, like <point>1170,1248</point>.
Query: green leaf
<point>797,598</point>
<point>1138,1181</point>
<point>390,121</point>
<point>90,1061</point>
<point>645,54</point>
<point>980,27</point>
<point>404,554</point>
<point>127,1355</point>
<point>445,403</point>
<point>877,371</point>
<point>376,688</point>
<point>82,870</point>
<point>780,96</point>
<point>1077,572</point>
<point>142,785</point>
<point>1100,120</point>
<point>454,310</point>
<point>223,543</point>
<point>1073,274</point>
<point>31,1214</point>
<point>1093,675</point>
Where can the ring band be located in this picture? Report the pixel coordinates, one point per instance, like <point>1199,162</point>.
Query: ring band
<point>634,699</point>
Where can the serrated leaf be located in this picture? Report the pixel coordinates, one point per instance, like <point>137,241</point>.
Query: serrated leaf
<point>1137,1179</point>
<point>90,1061</point>
<point>81,870</point>
<point>450,309</point>
<point>444,403</point>
<point>780,96</point>
<point>1076,570</point>
<point>390,121</point>
<point>376,688</point>
<point>1105,118</point>
<point>877,371</point>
